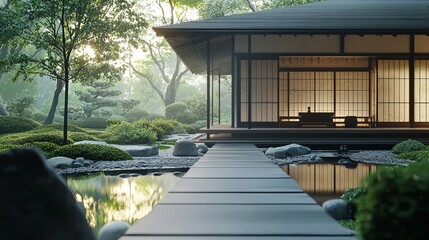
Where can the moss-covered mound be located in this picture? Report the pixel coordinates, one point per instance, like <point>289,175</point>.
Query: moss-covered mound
<point>16,125</point>
<point>408,146</point>
<point>93,152</point>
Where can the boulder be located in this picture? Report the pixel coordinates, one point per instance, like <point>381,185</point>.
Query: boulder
<point>202,148</point>
<point>91,142</point>
<point>314,158</point>
<point>277,152</point>
<point>82,161</point>
<point>39,205</point>
<point>60,162</point>
<point>113,230</point>
<point>296,150</point>
<point>287,151</point>
<point>138,150</point>
<point>337,208</point>
<point>185,147</point>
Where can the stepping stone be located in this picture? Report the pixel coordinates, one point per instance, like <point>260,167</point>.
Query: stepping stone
<point>238,220</point>
<point>235,173</point>
<point>238,198</point>
<point>237,238</point>
<point>185,185</point>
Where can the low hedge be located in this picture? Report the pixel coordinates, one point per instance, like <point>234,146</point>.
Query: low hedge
<point>94,152</point>
<point>130,133</point>
<point>59,127</point>
<point>92,122</point>
<point>81,136</point>
<point>395,203</point>
<point>55,137</point>
<point>350,196</point>
<point>408,146</point>
<point>16,124</point>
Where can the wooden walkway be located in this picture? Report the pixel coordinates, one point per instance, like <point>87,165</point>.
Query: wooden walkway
<point>235,192</point>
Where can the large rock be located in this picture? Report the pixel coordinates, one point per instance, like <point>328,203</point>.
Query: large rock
<point>36,202</point>
<point>287,151</point>
<point>113,230</point>
<point>3,111</point>
<point>60,162</point>
<point>185,147</point>
<point>202,148</point>
<point>337,208</point>
<point>138,150</point>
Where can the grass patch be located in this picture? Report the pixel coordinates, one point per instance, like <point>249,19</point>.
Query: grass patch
<point>164,147</point>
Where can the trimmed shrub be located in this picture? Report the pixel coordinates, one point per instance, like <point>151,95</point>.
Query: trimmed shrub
<point>93,152</point>
<point>396,201</point>
<point>39,117</point>
<point>199,124</point>
<point>136,114</point>
<point>58,127</point>
<point>154,116</point>
<point>197,105</point>
<point>179,129</point>
<point>189,129</point>
<point>166,126</point>
<point>6,147</point>
<point>130,133</point>
<point>408,146</point>
<point>16,124</point>
<point>415,155</point>
<point>81,136</point>
<point>92,122</point>
<point>52,137</point>
<point>111,122</point>
<point>350,196</point>
<point>46,147</point>
<point>179,112</point>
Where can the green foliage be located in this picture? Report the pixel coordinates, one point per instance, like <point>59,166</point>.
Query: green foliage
<point>350,224</point>
<point>221,8</point>
<point>46,147</point>
<point>199,124</point>
<point>271,4</point>
<point>16,124</point>
<point>189,128</point>
<point>81,136</point>
<point>129,104</point>
<point>154,116</point>
<point>164,147</point>
<point>179,129</point>
<point>93,152</point>
<point>20,107</point>
<point>179,112</point>
<point>397,198</point>
<point>39,117</point>
<point>197,105</point>
<point>130,133</point>
<point>97,96</point>
<point>408,146</point>
<point>112,121</point>
<point>58,127</point>
<point>52,137</point>
<point>166,126</point>
<point>414,155</point>
<point>350,196</point>
<point>6,147</point>
<point>92,122</point>
<point>136,114</point>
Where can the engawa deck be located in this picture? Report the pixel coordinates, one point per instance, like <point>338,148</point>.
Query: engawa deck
<point>235,192</point>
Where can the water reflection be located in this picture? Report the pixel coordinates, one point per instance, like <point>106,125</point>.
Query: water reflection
<point>325,180</point>
<point>108,198</point>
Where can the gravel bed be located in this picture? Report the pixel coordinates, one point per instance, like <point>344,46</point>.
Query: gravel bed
<point>166,160</point>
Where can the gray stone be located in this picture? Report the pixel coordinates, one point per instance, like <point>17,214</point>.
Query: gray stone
<point>314,158</point>
<point>3,111</point>
<point>60,162</point>
<point>201,147</point>
<point>296,150</point>
<point>337,208</point>
<point>91,142</point>
<point>82,161</point>
<point>185,147</point>
<point>138,150</point>
<point>113,230</point>
<point>277,152</point>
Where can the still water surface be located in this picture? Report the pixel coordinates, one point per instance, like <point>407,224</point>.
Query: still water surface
<point>109,198</point>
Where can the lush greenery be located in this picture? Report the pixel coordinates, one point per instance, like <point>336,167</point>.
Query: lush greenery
<point>350,196</point>
<point>93,152</point>
<point>16,125</point>
<point>92,122</point>
<point>396,201</point>
<point>129,133</point>
<point>415,155</point>
<point>179,112</point>
<point>408,146</point>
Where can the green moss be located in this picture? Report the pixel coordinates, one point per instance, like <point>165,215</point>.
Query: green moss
<point>189,128</point>
<point>16,124</point>
<point>93,152</point>
<point>58,127</point>
<point>350,224</point>
<point>46,147</point>
<point>164,147</point>
<point>54,136</point>
<point>80,136</point>
<point>408,146</point>
<point>414,155</point>
<point>128,133</point>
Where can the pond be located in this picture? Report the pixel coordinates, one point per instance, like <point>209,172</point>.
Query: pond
<point>323,181</point>
<point>124,197</point>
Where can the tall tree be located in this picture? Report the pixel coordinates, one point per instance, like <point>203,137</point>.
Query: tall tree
<point>81,39</point>
<point>162,68</point>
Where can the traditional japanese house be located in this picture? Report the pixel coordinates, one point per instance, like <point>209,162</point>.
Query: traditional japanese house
<point>335,71</point>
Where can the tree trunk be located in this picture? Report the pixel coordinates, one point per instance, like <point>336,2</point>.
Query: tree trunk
<point>50,118</point>
<point>170,93</point>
